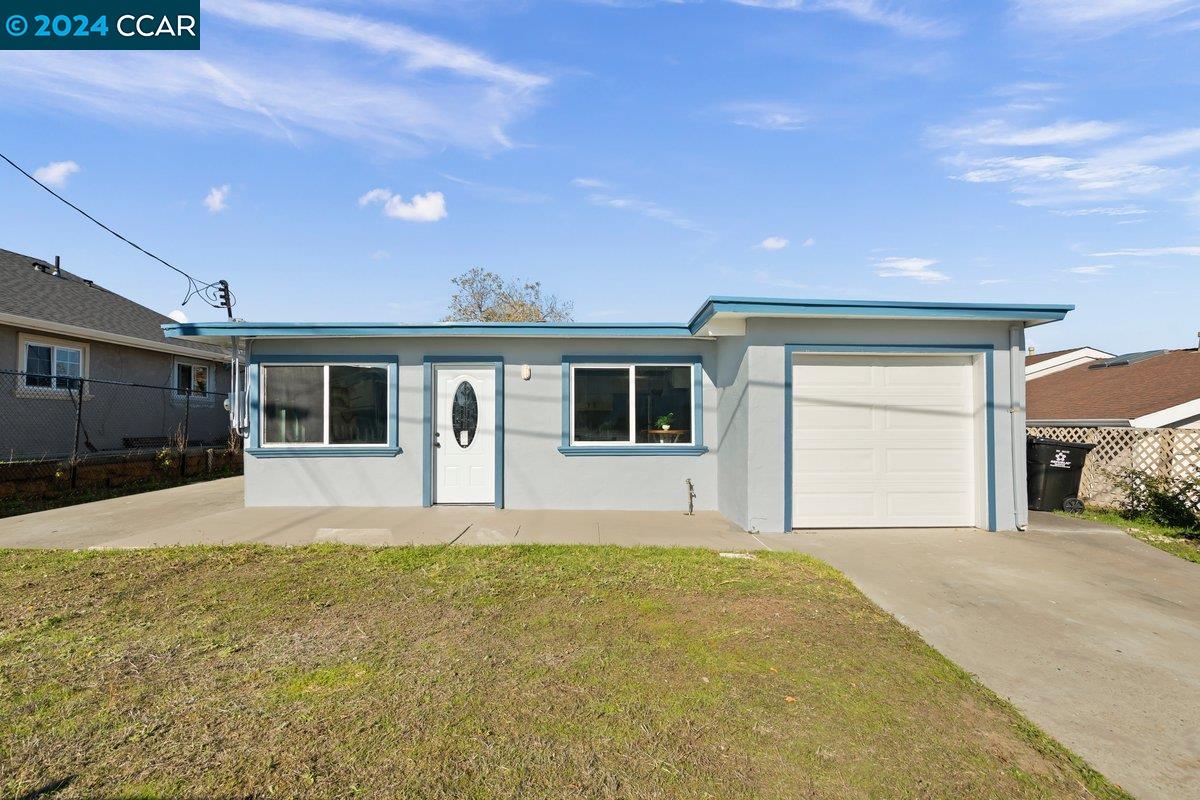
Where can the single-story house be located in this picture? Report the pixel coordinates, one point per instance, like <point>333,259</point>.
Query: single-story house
<point>1153,389</point>
<point>1038,365</point>
<point>778,413</point>
<point>60,332</point>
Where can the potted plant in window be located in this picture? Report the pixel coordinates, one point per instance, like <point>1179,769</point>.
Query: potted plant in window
<point>664,422</point>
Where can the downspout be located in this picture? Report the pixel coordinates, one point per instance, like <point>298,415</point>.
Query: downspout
<point>1016,414</point>
<point>240,406</point>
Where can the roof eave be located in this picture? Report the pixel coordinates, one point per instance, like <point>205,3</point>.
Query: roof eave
<point>221,331</point>
<point>95,335</point>
<point>1029,315</point>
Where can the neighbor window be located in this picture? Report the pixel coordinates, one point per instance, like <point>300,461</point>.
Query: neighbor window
<point>49,366</point>
<point>632,404</point>
<point>191,378</point>
<point>324,404</point>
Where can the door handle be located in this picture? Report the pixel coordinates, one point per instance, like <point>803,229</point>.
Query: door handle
<point>436,443</point>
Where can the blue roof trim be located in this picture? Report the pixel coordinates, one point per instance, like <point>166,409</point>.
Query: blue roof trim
<point>804,307</point>
<point>298,329</point>
<point>773,306</point>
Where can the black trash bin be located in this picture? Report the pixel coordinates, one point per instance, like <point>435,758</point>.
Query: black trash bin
<point>1054,469</point>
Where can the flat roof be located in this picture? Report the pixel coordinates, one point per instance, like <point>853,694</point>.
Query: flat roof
<point>713,307</point>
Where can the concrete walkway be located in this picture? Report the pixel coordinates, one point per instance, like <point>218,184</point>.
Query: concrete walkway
<point>212,513</point>
<point>1094,635</point>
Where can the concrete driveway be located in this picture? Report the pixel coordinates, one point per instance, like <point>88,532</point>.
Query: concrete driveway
<point>1092,634</point>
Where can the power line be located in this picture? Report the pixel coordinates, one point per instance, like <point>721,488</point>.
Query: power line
<point>210,293</point>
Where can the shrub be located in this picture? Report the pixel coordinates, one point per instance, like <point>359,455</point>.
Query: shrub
<point>1168,501</point>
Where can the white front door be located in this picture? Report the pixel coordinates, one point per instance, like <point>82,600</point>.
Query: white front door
<point>883,441</point>
<point>464,439</point>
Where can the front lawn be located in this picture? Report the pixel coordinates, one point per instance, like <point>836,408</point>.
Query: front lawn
<point>1176,541</point>
<point>532,672</point>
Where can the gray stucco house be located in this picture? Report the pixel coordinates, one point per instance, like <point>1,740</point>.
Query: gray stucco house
<point>781,413</point>
<point>59,330</point>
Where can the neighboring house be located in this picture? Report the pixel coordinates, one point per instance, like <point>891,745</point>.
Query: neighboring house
<point>781,413</point>
<point>1038,365</point>
<point>55,327</point>
<point>1155,389</point>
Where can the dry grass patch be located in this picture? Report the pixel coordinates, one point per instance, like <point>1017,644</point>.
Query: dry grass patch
<point>532,672</point>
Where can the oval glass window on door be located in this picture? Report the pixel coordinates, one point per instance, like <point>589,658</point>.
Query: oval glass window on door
<point>464,415</point>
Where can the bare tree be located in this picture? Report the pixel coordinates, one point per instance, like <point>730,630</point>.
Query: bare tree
<point>483,296</point>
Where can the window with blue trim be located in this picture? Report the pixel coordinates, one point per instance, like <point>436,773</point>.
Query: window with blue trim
<point>632,404</point>
<point>324,405</point>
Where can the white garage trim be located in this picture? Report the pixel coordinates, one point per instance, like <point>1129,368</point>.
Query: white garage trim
<point>985,448</point>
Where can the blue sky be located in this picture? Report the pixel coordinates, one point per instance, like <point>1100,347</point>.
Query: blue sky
<point>343,159</point>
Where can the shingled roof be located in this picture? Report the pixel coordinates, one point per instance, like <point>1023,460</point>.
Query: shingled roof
<point>68,299</point>
<point>1034,358</point>
<point>1123,391</point>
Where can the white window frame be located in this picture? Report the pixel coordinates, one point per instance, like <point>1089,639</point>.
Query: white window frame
<point>266,367</point>
<point>631,367</point>
<point>53,390</point>
<point>177,393</point>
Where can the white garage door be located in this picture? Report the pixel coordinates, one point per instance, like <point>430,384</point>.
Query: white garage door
<point>882,441</point>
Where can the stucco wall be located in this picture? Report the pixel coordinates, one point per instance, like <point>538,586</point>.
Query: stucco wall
<point>536,475</point>
<point>744,400</point>
<point>44,425</point>
<point>733,419</point>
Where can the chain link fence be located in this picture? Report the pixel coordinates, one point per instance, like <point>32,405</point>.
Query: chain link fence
<point>60,433</point>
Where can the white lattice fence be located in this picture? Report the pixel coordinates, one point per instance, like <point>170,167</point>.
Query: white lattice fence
<point>1165,452</point>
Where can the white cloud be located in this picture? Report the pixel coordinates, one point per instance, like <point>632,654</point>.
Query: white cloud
<point>1091,269</point>
<point>375,196</point>
<point>871,12</point>
<point>1082,167</point>
<point>1062,132</point>
<point>380,255</point>
<point>178,315</point>
<point>1147,252</point>
<point>766,115</point>
<point>505,194</point>
<point>917,269</point>
<point>215,200</point>
<point>773,243</point>
<point>56,173</point>
<point>1099,15</point>
<point>809,242</point>
<point>420,51</point>
<point>646,208</point>
<point>307,72</point>
<point>428,207</point>
<point>994,281</point>
<point>589,183</point>
<point>1102,211</point>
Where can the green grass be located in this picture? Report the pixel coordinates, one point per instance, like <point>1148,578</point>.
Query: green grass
<point>531,672</point>
<point>29,503</point>
<point>1176,541</point>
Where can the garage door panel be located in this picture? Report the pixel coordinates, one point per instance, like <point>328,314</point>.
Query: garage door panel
<point>849,374</point>
<point>927,418</point>
<point>924,463</point>
<point>883,441</point>
<point>829,509</point>
<point>924,376</point>
<point>835,416</point>
<point>837,460</point>
<point>935,505</point>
